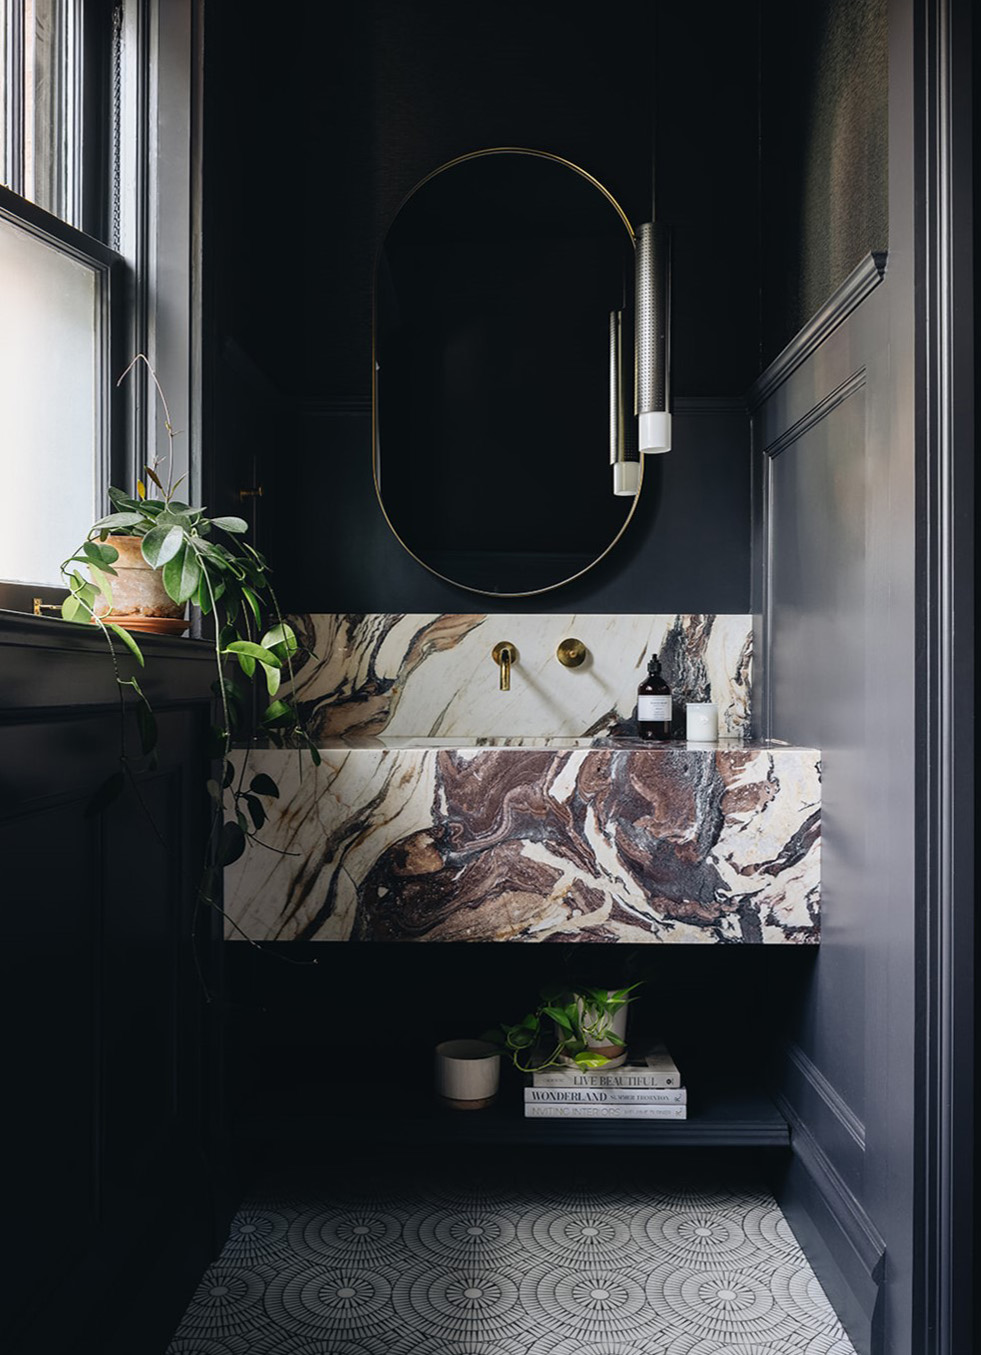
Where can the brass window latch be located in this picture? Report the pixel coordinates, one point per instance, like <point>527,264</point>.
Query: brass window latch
<point>41,607</point>
<point>254,492</point>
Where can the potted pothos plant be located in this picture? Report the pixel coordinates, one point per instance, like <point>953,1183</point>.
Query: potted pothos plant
<point>580,1028</point>
<point>205,561</point>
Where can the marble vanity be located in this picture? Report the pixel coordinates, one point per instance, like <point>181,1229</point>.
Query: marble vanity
<point>583,835</point>
<point>570,840</point>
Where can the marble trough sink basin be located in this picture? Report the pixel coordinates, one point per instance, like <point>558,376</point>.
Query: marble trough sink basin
<point>536,839</point>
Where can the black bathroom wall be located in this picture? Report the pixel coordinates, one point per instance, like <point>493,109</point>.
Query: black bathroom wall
<point>824,144</point>
<point>336,129</point>
<point>842,516</point>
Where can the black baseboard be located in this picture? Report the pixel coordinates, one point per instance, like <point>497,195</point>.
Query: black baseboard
<point>837,1236</point>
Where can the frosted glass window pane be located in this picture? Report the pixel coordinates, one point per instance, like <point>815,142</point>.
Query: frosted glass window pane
<point>49,367</point>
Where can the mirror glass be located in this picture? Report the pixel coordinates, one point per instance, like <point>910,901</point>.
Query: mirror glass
<point>493,294</point>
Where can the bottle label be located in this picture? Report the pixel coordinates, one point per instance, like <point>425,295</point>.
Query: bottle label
<point>653,708</point>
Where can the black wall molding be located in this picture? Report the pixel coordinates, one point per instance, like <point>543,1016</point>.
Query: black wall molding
<point>841,1242</point>
<point>857,1228</point>
<point>839,305</point>
<point>829,1096</point>
<point>818,412</point>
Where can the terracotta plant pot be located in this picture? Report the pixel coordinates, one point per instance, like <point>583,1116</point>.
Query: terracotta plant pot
<point>139,599</point>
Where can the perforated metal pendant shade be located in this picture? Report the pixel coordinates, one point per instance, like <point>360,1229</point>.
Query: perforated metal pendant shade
<point>651,346</point>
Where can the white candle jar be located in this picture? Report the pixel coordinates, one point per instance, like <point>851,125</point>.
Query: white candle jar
<point>702,722</point>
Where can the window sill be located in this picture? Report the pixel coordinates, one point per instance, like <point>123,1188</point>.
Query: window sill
<point>47,662</point>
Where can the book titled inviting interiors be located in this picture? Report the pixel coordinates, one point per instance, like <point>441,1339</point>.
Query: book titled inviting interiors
<point>592,1110</point>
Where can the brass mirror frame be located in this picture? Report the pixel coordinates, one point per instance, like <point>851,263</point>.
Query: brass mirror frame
<point>375,449</point>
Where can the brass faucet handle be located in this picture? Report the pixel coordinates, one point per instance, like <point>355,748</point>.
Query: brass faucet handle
<point>504,654</point>
<point>571,653</point>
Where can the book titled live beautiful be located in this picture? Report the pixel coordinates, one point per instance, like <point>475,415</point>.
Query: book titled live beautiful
<point>606,1096</point>
<point>657,1069</point>
<point>592,1110</point>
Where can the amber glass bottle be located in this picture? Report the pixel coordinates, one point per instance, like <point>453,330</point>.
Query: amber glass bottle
<point>654,703</point>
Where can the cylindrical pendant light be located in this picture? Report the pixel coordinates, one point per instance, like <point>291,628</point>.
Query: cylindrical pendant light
<point>626,470</point>
<point>651,339</point>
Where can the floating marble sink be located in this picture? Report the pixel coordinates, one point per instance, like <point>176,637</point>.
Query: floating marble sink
<point>536,839</point>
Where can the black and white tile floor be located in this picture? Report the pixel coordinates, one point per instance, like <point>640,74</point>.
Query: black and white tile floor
<point>453,1263</point>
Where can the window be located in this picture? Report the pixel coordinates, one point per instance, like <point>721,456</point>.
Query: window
<point>95,131</point>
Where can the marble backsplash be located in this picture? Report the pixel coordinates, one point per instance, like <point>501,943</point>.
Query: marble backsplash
<point>432,675</point>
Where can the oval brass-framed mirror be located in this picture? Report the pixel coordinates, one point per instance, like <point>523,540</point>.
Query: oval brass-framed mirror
<point>494,289</point>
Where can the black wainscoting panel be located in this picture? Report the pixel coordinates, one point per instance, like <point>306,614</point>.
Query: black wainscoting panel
<point>106,1067</point>
<point>50,960</point>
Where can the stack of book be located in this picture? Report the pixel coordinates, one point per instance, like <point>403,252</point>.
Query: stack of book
<point>640,1089</point>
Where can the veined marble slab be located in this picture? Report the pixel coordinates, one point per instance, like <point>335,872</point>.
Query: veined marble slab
<point>663,843</point>
<point>431,674</point>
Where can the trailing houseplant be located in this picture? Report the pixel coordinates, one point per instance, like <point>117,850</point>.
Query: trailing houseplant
<point>581,1028</point>
<point>204,561</point>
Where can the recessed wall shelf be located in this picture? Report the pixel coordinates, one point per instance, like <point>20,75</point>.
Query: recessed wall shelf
<point>335,1111</point>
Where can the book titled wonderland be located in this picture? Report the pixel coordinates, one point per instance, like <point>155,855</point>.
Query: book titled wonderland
<point>606,1096</point>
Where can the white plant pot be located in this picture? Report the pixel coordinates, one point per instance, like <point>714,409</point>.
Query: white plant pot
<point>616,1054</point>
<point>467,1073</point>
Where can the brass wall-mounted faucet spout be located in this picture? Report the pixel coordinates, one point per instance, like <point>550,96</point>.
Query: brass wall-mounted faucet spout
<point>504,654</point>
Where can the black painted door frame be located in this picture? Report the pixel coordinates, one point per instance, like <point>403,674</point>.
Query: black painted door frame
<point>944,63</point>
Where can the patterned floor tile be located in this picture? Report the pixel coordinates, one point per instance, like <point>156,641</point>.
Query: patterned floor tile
<point>474,1260</point>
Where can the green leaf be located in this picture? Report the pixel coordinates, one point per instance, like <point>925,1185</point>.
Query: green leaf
<point>102,583</point>
<point>72,610</point>
<point>314,751</point>
<point>273,678</point>
<point>279,712</point>
<point>103,556</point>
<point>128,641</point>
<point>586,1060</point>
<point>261,784</point>
<point>253,602</point>
<point>152,475</point>
<point>161,544</point>
<point>247,664</point>
<point>226,636</point>
<point>229,775</point>
<point>213,789</point>
<point>110,790</point>
<point>123,500</point>
<point>202,595</point>
<point>254,651</point>
<point>231,843</point>
<point>235,525</point>
<point>168,517</point>
<point>242,821</point>
<point>182,574</point>
<point>129,518</point>
<point>559,1017</point>
<point>282,640</point>
<point>256,811</point>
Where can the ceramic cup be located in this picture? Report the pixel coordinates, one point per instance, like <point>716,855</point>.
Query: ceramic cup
<point>467,1073</point>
